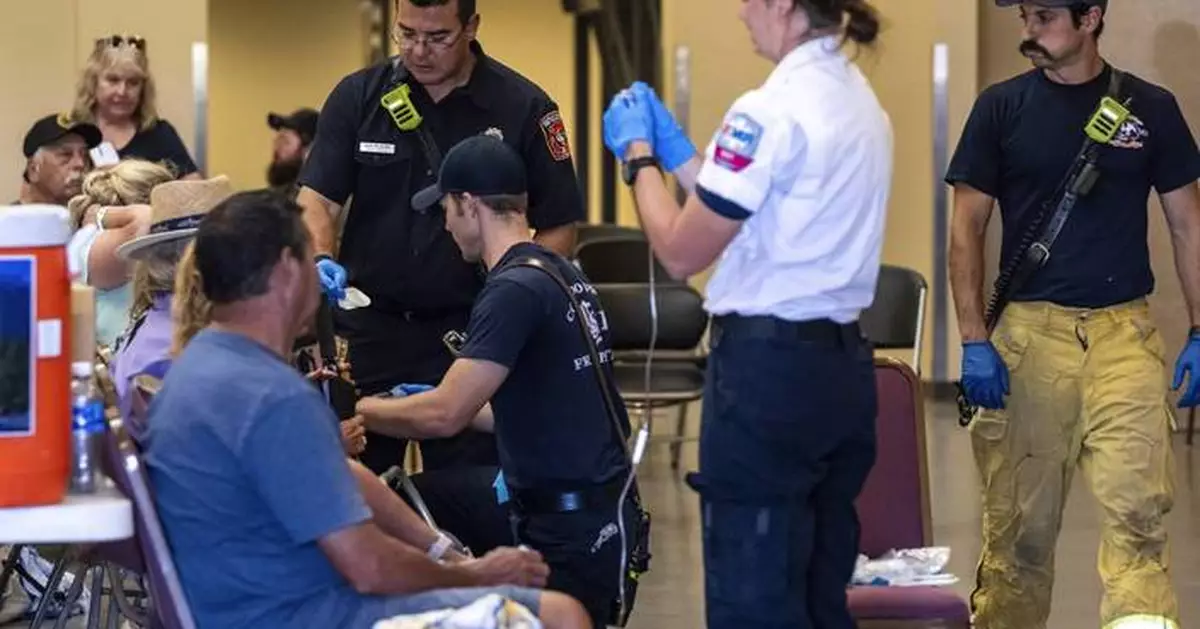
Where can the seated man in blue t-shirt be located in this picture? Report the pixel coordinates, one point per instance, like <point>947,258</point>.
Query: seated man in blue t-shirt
<point>561,452</point>
<point>265,520</point>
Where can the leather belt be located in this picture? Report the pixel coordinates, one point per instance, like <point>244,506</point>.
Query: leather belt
<point>813,331</point>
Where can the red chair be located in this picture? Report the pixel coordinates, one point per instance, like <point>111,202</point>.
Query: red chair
<point>893,509</point>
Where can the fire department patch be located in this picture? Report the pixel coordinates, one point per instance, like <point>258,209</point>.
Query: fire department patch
<point>556,136</point>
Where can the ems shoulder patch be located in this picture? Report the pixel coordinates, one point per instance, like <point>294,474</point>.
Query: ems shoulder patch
<point>737,142</point>
<point>556,136</point>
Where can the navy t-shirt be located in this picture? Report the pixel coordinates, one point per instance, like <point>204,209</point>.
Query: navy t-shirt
<point>160,144</point>
<point>552,427</point>
<point>1018,144</point>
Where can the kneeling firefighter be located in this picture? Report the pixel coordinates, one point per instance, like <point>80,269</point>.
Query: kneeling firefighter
<point>538,347</point>
<point>1066,367</point>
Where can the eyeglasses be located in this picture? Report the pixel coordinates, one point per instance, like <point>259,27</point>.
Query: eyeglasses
<point>407,40</point>
<point>116,41</point>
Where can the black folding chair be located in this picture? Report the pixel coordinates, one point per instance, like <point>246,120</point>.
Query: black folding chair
<point>896,318</point>
<point>676,372</point>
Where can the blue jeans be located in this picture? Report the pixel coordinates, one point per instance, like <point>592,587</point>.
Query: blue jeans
<point>787,441</point>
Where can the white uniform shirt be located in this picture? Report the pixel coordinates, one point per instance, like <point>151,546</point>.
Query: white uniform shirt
<point>806,161</point>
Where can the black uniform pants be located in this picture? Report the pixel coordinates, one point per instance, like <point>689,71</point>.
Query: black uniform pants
<point>787,440</point>
<point>386,350</point>
<point>584,552</point>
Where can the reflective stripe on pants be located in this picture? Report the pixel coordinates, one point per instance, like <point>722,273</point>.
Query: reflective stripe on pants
<point>1086,388</point>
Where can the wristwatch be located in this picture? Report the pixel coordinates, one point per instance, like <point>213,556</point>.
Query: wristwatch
<point>629,169</point>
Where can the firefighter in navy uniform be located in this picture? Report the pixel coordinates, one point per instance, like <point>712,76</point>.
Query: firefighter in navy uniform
<point>1072,373</point>
<point>403,259</point>
<point>560,434</point>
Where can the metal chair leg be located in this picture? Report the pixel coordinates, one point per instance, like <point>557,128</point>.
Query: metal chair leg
<point>8,566</point>
<point>56,577</point>
<point>680,428</point>
<point>73,595</point>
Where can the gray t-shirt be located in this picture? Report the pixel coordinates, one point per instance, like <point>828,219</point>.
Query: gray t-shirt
<point>248,472</point>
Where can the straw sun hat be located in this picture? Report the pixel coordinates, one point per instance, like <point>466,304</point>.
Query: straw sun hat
<point>176,209</point>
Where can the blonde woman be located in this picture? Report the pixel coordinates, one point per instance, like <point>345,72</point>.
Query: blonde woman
<point>116,93</point>
<point>110,211</point>
<point>176,208</point>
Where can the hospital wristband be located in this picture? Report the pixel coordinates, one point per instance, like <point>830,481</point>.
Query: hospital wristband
<point>438,548</point>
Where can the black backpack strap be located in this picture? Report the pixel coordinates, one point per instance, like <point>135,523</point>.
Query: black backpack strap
<point>602,381</point>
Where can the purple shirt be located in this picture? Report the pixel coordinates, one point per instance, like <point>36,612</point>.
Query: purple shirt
<point>147,352</point>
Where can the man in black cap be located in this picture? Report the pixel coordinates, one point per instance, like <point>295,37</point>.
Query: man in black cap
<point>382,133</point>
<point>56,159</point>
<point>1066,368</point>
<point>561,445</point>
<point>294,134</point>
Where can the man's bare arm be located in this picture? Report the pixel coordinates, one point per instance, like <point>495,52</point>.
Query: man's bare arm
<point>319,214</point>
<point>560,240</point>
<point>375,563</point>
<point>968,232</point>
<point>1182,207</point>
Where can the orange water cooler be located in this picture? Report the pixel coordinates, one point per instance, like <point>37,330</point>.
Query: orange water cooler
<point>35,356</point>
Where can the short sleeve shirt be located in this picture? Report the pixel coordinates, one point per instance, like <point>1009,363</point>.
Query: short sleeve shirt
<point>249,473</point>
<point>552,427</point>
<point>805,162</point>
<point>404,259</point>
<point>1019,142</point>
<point>160,144</point>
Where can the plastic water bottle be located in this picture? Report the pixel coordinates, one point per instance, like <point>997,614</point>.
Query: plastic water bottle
<point>87,428</point>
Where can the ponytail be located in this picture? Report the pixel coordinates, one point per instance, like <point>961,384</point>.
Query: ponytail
<point>863,24</point>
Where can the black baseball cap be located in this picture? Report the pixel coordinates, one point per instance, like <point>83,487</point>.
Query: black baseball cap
<point>302,121</point>
<point>481,165</point>
<point>1056,4</point>
<point>55,127</point>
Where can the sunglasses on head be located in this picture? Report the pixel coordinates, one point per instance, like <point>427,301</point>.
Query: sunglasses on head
<point>116,41</point>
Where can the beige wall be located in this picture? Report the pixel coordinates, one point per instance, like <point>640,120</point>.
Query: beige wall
<point>900,68</point>
<point>1160,46</point>
<point>44,44</point>
<point>272,55</point>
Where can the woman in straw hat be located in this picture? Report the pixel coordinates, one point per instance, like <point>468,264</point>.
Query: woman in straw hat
<point>176,209</point>
<point>109,211</point>
<point>116,92</point>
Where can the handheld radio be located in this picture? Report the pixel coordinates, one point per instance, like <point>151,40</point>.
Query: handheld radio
<point>398,104</point>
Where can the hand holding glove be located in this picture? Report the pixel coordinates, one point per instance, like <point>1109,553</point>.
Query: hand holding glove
<point>984,375</point>
<point>628,119</point>
<point>333,278</point>
<point>1188,363</point>
<point>672,146</point>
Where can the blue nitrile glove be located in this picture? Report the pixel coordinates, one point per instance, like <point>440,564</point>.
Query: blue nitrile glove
<point>1189,363</point>
<point>627,119</point>
<point>984,375</point>
<point>501,488</point>
<point>672,146</point>
<point>405,390</point>
<point>333,278</point>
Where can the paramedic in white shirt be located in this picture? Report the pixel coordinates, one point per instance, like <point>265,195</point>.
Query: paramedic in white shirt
<point>790,197</point>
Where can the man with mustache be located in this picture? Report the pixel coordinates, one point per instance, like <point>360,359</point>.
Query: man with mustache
<point>56,153</point>
<point>294,135</point>
<point>1072,373</point>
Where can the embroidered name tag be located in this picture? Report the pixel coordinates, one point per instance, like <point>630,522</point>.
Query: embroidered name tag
<point>377,148</point>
